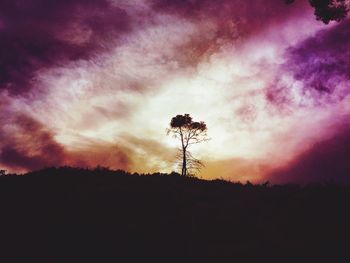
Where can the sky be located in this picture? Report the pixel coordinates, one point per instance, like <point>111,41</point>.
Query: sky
<point>87,83</point>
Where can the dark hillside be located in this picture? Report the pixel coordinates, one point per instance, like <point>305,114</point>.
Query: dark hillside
<point>77,215</point>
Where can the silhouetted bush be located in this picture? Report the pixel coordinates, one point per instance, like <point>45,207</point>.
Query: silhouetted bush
<point>77,215</point>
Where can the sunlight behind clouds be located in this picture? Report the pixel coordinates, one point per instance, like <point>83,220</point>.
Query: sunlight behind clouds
<point>219,71</point>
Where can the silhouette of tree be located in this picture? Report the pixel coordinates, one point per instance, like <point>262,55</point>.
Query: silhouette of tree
<point>189,132</point>
<point>328,10</point>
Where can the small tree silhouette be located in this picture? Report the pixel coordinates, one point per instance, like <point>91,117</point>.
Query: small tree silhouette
<point>328,10</point>
<point>189,132</point>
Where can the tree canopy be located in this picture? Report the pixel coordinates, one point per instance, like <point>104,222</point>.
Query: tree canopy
<point>328,10</point>
<point>189,132</point>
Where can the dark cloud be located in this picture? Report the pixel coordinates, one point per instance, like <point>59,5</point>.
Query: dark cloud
<point>27,144</point>
<point>226,8</point>
<point>247,15</point>
<point>328,160</point>
<point>37,34</point>
<point>320,63</point>
<point>223,22</point>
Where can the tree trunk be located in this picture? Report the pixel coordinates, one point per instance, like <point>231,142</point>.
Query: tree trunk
<point>184,163</point>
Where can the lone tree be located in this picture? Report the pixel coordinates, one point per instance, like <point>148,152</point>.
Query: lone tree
<point>189,132</point>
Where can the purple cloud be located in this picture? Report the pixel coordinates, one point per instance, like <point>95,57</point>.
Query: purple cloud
<point>321,62</point>
<point>28,145</point>
<point>318,65</point>
<point>320,69</point>
<point>39,34</point>
<point>326,161</point>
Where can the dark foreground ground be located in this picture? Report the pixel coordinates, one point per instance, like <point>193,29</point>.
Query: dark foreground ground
<point>71,215</point>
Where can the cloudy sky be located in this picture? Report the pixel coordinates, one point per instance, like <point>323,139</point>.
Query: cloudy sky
<point>96,82</point>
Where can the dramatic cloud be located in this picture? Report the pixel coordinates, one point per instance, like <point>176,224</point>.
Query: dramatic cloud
<point>88,83</point>
<point>316,76</point>
<point>326,161</point>
<point>39,34</point>
<point>320,64</point>
<point>26,144</point>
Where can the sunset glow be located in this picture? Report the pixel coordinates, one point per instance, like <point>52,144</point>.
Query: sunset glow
<point>98,85</point>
